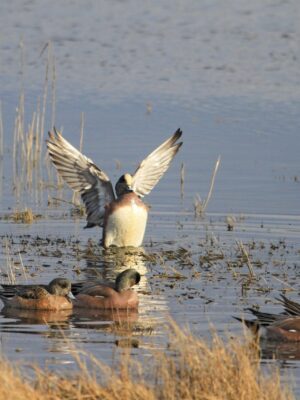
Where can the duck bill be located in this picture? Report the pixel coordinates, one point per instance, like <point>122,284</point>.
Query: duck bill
<point>71,296</point>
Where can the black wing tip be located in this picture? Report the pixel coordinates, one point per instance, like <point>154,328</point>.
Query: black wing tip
<point>89,225</point>
<point>56,132</point>
<point>178,134</point>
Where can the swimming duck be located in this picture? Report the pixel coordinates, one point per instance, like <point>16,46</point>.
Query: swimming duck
<point>123,217</point>
<point>55,296</point>
<point>278,327</point>
<point>110,296</point>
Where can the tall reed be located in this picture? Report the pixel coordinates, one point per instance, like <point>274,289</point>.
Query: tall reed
<point>28,141</point>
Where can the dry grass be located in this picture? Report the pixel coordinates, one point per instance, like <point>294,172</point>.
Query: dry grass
<point>201,205</point>
<point>14,268</point>
<point>28,138</point>
<point>190,369</point>
<point>24,217</point>
<point>246,257</point>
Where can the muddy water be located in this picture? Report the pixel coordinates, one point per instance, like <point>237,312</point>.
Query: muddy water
<point>227,77</point>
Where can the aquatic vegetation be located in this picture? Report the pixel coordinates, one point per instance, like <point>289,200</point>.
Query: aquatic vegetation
<point>21,216</point>
<point>25,217</point>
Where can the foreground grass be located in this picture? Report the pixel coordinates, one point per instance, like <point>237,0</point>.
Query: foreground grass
<point>189,370</point>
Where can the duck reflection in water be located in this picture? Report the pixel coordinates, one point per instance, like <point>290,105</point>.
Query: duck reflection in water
<point>54,319</point>
<point>110,320</point>
<point>106,264</point>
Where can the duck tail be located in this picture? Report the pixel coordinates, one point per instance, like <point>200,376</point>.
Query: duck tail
<point>290,307</point>
<point>251,324</point>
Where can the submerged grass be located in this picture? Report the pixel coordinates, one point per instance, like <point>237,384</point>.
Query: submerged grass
<point>189,369</point>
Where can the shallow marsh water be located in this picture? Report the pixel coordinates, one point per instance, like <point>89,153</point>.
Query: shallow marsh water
<point>230,81</point>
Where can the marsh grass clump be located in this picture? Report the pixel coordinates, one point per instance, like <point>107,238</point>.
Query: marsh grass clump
<point>24,217</point>
<point>189,369</point>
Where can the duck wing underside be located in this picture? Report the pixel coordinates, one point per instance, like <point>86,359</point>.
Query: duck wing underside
<point>83,176</point>
<point>152,168</point>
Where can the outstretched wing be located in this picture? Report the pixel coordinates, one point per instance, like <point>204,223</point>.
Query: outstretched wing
<point>155,165</point>
<point>83,176</point>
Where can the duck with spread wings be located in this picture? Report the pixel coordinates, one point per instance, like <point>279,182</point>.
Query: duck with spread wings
<point>123,216</point>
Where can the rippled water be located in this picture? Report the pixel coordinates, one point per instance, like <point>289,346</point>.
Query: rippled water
<point>229,78</point>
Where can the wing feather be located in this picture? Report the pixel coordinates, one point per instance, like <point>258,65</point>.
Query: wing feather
<point>155,165</point>
<point>82,175</point>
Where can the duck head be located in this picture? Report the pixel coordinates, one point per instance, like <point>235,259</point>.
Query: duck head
<point>60,287</point>
<point>124,185</point>
<point>126,279</point>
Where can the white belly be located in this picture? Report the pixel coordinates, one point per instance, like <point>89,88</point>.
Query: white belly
<point>126,226</point>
